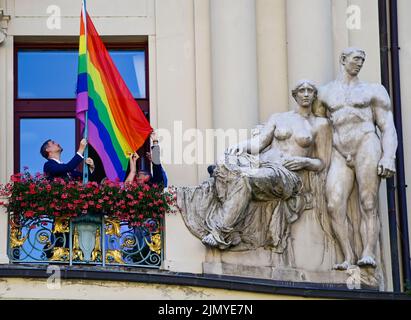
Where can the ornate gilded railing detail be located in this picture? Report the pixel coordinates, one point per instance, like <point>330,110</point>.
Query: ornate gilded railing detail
<point>96,254</point>
<point>60,254</point>
<point>61,225</point>
<point>77,253</point>
<point>155,244</point>
<point>44,238</point>
<point>114,256</point>
<point>113,242</point>
<point>113,227</point>
<point>34,241</point>
<point>128,242</point>
<point>15,238</point>
<point>133,245</point>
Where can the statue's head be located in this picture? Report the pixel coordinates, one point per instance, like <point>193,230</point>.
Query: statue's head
<point>352,61</point>
<point>304,93</point>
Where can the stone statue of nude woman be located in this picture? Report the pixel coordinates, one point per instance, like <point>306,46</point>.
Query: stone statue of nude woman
<point>264,184</point>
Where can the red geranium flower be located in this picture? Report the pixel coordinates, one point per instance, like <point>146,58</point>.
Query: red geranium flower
<point>29,214</point>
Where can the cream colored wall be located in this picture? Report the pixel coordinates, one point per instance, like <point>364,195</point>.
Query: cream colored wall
<point>176,87</point>
<point>6,109</point>
<point>4,259</point>
<point>204,108</point>
<point>122,17</point>
<point>404,8</point>
<point>310,42</point>
<point>273,90</point>
<point>11,288</point>
<point>234,64</point>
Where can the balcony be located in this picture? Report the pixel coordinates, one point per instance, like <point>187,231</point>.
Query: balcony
<point>66,222</point>
<point>92,240</point>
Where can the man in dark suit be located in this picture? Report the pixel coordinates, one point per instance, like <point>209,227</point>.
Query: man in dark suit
<point>54,168</point>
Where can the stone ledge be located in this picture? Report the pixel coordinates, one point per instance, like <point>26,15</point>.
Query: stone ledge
<point>287,275</point>
<point>309,290</point>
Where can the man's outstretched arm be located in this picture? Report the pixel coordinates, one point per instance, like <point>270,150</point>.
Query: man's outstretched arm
<point>385,122</point>
<point>53,168</point>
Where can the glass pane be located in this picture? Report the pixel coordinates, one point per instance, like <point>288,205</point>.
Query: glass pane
<point>53,74</point>
<point>132,66</point>
<point>33,132</point>
<point>47,74</point>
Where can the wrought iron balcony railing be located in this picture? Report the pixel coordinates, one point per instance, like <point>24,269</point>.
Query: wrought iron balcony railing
<point>92,239</point>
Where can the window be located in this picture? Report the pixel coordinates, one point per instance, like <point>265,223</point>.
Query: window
<point>45,93</point>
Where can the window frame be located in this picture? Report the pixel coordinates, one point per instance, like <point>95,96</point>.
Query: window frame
<point>63,108</point>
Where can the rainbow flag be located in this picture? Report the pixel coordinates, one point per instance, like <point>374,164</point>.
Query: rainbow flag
<point>116,125</point>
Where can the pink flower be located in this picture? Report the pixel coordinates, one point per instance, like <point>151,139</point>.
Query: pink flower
<point>16,177</point>
<point>29,214</point>
<point>32,188</point>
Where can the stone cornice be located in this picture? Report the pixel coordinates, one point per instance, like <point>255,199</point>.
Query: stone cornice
<point>307,290</point>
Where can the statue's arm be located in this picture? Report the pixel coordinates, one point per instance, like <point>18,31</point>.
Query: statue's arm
<point>323,144</point>
<point>381,105</point>
<point>261,141</point>
<point>257,144</point>
<point>320,157</point>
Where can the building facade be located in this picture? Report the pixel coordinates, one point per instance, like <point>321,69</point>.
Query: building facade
<point>209,64</point>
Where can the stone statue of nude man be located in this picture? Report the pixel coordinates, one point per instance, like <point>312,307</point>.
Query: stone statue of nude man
<point>360,154</point>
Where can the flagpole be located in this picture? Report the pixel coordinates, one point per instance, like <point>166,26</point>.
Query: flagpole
<point>85,136</point>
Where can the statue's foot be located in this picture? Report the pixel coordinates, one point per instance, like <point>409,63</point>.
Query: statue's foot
<point>342,266</point>
<point>367,261</point>
<point>209,240</point>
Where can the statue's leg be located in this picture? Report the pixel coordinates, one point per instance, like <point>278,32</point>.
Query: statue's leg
<point>368,156</point>
<point>233,208</point>
<point>340,180</point>
<point>227,219</point>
